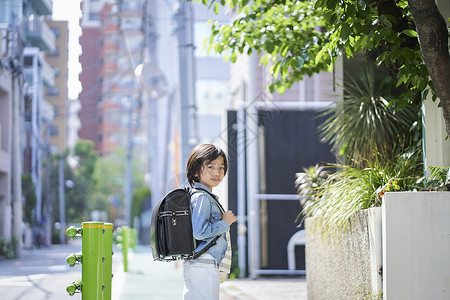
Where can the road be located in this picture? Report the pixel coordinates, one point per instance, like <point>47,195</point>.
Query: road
<point>43,274</point>
<point>40,274</point>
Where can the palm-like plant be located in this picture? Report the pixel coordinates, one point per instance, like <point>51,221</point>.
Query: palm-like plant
<point>366,121</point>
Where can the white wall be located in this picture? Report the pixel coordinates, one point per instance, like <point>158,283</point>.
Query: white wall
<point>416,245</point>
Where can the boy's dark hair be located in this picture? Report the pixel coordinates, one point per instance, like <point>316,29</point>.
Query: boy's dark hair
<point>203,154</point>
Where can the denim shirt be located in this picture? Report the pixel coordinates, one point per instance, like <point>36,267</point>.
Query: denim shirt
<point>207,223</point>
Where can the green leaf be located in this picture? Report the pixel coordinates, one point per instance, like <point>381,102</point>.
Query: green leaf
<point>319,55</point>
<point>264,59</point>
<point>331,4</point>
<point>269,46</point>
<point>281,89</point>
<point>284,70</point>
<point>381,58</point>
<point>284,50</point>
<point>333,18</point>
<point>271,88</point>
<point>275,69</point>
<point>385,21</point>
<point>216,8</point>
<point>318,4</point>
<point>345,31</point>
<point>410,32</point>
<point>401,80</point>
<point>219,48</point>
<point>233,57</point>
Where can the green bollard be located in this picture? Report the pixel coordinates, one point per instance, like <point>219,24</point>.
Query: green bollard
<point>125,245</point>
<point>133,239</point>
<point>107,255</point>
<point>92,265</point>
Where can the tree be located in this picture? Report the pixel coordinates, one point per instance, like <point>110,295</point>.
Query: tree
<point>433,37</point>
<point>139,196</point>
<point>300,38</point>
<point>78,197</point>
<point>109,178</point>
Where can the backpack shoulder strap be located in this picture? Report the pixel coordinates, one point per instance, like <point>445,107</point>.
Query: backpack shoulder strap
<point>199,190</point>
<point>214,240</point>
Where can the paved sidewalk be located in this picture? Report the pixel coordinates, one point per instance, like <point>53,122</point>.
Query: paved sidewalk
<point>147,279</point>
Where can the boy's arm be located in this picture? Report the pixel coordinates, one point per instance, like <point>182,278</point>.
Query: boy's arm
<point>201,214</point>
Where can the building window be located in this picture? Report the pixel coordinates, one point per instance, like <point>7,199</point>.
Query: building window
<point>94,16</point>
<point>53,130</point>
<point>53,91</point>
<point>54,53</point>
<point>57,71</point>
<point>212,96</point>
<point>56,31</point>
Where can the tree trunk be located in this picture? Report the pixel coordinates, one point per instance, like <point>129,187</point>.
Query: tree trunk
<point>433,38</point>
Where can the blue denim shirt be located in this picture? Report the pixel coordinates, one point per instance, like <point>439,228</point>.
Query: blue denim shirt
<point>207,223</point>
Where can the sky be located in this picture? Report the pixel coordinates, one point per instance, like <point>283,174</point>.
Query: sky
<point>69,10</point>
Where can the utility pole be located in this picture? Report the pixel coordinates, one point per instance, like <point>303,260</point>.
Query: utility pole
<point>16,95</point>
<point>150,58</point>
<point>188,126</point>
<point>62,201</point>
<point>129,155</point>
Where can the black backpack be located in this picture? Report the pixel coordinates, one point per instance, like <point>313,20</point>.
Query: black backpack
<point>171,227</point>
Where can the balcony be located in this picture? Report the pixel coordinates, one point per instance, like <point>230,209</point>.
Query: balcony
<point>48,74</point>
<point>42,7</point>
<point>33,57</point>
<point>47,112</point>
<point>39,33</point>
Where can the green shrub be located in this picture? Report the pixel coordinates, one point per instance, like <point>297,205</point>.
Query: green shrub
<point>351,189</point>
<point>8,247</point>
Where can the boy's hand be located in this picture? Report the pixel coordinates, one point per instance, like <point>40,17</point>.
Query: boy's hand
<point>229,217</point>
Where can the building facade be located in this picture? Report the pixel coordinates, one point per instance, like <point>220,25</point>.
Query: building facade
<point>33,115</point>
<point>112,43</point>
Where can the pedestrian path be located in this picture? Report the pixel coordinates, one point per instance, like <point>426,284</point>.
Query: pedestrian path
<point>147,279</point>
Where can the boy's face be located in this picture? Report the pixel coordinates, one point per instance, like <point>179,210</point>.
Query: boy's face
<point>212,173</point>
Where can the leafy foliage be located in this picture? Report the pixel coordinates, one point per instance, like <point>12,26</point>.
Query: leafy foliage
<point>310,185</point>
<point>351,188</point>
<point>29,194</point>
<point>305,37</point>
<point>366,121</point>
<point>439,178</point>
<point>139,196</point>
<point>8,247</point>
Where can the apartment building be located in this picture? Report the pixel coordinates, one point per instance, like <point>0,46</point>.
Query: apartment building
<point>33,84</point>
<point>112,43</point>
<point>56,94</point>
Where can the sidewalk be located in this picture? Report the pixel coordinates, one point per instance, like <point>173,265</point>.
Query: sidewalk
<point>147,279</point>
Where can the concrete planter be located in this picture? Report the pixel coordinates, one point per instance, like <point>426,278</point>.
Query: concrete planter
<point>416,245</point>
<point>348,268</point>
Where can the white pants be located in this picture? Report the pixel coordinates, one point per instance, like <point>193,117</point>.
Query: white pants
<point>201,281</point>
